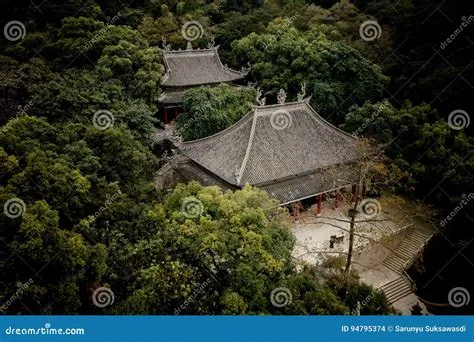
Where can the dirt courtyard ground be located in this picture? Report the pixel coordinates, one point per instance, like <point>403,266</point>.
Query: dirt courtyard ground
<point>376,237</point>
<point>313,233</point>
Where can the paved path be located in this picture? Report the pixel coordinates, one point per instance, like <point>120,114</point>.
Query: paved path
<point>389,276</point>
<point>382,251</point>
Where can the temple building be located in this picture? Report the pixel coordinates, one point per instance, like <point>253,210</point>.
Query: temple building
<point>186,69</point>
<point>286,149</point>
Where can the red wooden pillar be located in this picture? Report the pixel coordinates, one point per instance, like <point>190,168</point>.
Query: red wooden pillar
<point>318,207</point>
<point>364,190</point>
<point>336,201</point>
<point>354,193</point>
<point>166,115</point>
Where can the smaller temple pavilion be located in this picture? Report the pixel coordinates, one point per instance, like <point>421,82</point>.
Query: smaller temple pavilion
<point>286,149</point>
<point>186,69</point>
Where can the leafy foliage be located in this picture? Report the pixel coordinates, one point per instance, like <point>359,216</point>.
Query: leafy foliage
<point>284,57</point>
<point>210,110</point>
<point>93,217</point>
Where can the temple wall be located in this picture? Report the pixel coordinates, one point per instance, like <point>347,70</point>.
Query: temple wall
<point>167,178</point>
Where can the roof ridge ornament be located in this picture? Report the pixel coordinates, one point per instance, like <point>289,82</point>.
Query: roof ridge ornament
<point>302,93</point>
<point>212,44</point>
<point>237,175</point>
<point>166,47</point>
<point>260,100</point>
<point>281,98</point>
<point>189,46</point>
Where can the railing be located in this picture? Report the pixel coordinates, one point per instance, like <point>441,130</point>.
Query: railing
<point>409,263</point>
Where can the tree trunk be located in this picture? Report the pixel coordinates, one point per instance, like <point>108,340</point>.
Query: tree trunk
<point>352,214</point>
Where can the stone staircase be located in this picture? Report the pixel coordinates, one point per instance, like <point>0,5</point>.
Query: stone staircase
<point>401,286</point>
<point>405,251</point>
<point>396,289</point>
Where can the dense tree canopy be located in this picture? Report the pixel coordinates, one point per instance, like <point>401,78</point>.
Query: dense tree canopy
<point>78,99</point>
<point>210,110</point>
<point>425,138</point>
<point>283,57</point>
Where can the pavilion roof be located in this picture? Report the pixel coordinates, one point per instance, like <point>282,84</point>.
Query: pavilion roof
<point>196,67</point>
<point>284,148</point>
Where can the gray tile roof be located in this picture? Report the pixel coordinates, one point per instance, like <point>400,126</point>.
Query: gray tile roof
<point>224,152</point>
<point>172,96</point>
<point>295,188</point>
<point>288,150</point>
<point>196,67</point>
<point>193,171</point>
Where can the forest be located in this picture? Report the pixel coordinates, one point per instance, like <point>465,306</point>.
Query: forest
<point>80,209</point>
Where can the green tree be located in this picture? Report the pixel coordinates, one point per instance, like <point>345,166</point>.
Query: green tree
<point>57,255</point>
<point>211,110</point>
<point>431,148</point>
<point>337,76</point>
<point>19,81</point>
<point>225,254</point>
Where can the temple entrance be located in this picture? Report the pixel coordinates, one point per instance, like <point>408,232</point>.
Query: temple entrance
<point>169,114</point>
<point>327,200</point>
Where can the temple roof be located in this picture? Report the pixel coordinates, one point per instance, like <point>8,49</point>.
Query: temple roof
<point>196,67</point>
<point>284,148</point>
<point>172,96</point>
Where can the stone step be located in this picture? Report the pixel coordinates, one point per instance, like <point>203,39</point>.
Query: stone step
<point>400,295</point>
<point>408,248</point>
<point>392,284</point>
<point>406,253</point>
<point>410,241</point>
<point>399,287</point>
<point>394,268</point>
<point>394,260</point>
<point>420,234</point>
<point>396,289</point>
<point>411,244</point>
<point>419,237</point>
